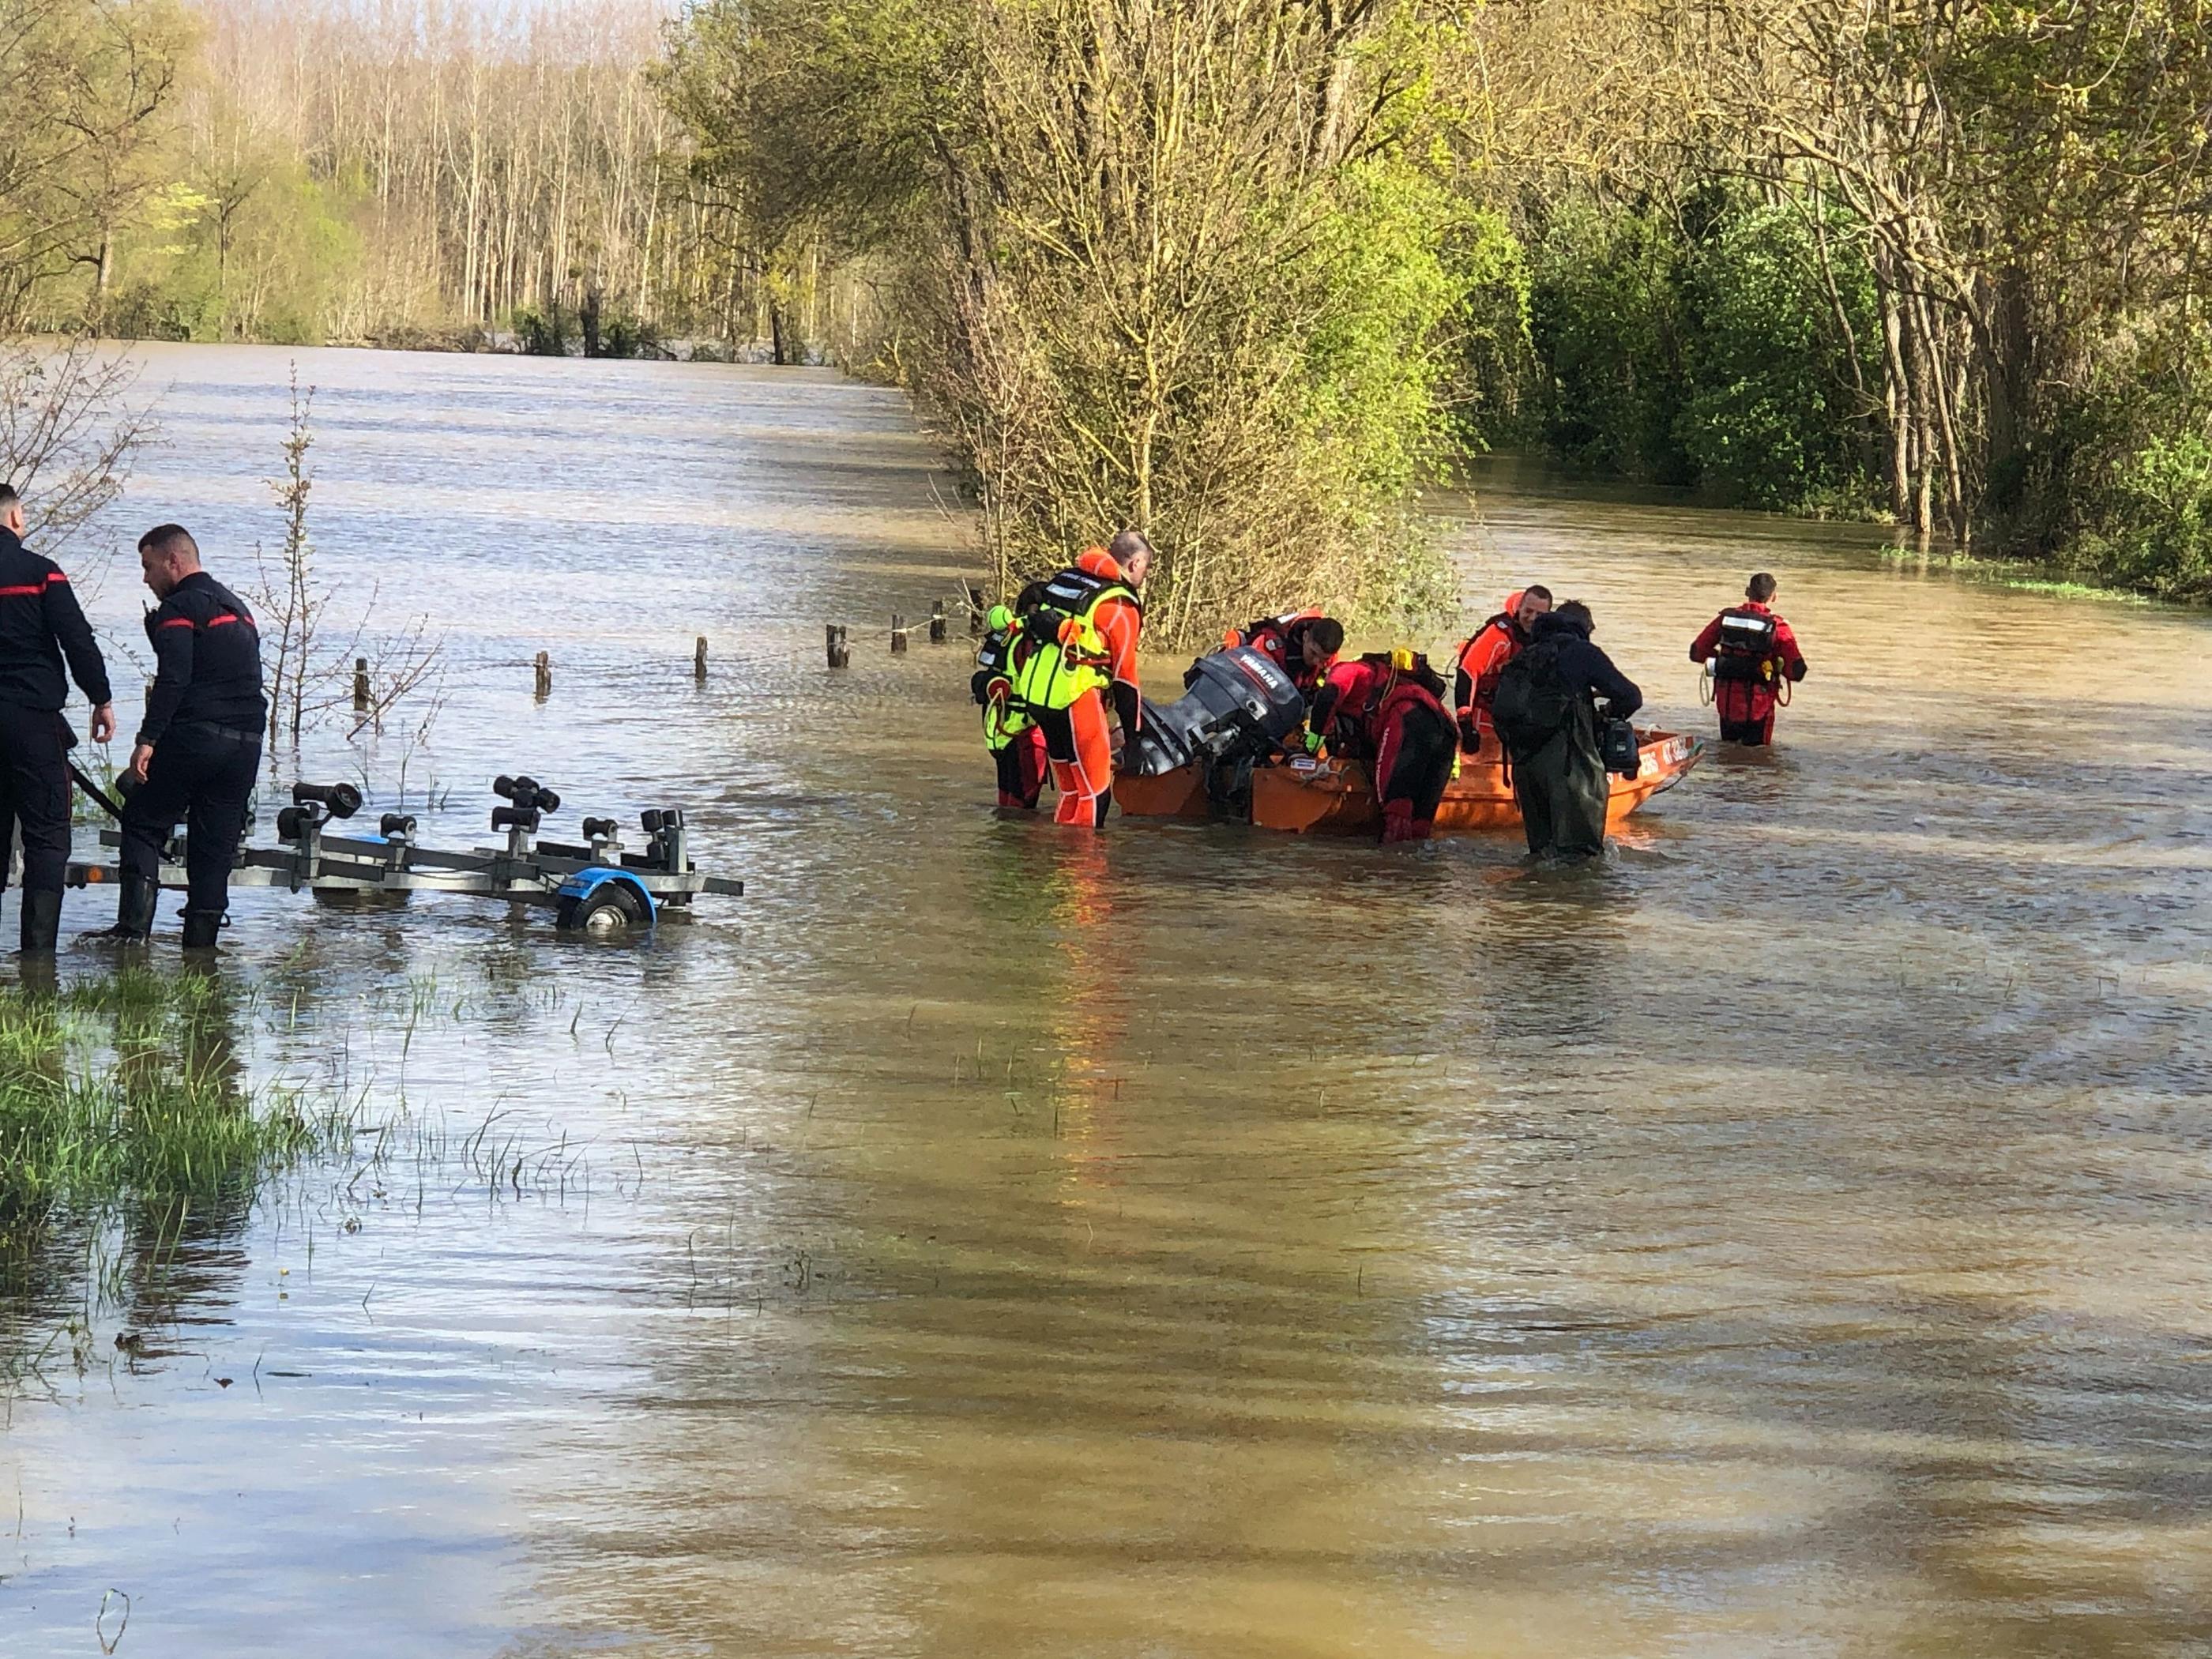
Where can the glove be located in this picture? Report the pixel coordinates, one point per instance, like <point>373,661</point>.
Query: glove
<point>1315,744</point>
<point>1470,733</point>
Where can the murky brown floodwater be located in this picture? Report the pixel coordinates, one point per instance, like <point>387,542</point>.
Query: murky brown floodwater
<point>1788,1239</point>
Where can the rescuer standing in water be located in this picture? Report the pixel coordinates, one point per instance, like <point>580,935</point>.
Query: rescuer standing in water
<point>1484,657</point>
<point>1548,717</point>
<point>40,623</point>
<point>1754,658</point>
<point>199,745</point>
<point>1015,741</point>
<point>1078,649</point>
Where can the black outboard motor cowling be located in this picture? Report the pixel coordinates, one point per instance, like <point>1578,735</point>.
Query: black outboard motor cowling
<point>1237,704</point>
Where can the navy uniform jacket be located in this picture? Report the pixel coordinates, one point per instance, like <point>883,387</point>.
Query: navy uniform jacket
<point>207,653</point>
<point>40,623</point>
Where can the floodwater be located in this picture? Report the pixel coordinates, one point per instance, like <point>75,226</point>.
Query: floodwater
<point>1792,1237</point>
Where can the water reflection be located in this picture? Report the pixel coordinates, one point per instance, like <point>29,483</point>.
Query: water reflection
<point>1783,1239</point>
<point>134,1170</point>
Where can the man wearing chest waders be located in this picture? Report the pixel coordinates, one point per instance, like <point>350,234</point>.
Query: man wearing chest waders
<point>1079,649</point>
<point>1545,712</point>
<point>199,745</point>
<point>40,624</point>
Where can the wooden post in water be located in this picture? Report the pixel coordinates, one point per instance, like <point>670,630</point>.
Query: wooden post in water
<point>360,683</point>
<point>841,654</point>
<point>898,634</point>
<point>699,659</point>
<point>936,623</point>
<point>545,677</point>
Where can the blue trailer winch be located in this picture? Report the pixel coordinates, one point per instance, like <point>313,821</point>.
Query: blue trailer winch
<point>598,886</point>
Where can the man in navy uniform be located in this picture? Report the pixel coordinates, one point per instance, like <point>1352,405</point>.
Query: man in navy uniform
<point>198,748</point>
<point>40,625</point>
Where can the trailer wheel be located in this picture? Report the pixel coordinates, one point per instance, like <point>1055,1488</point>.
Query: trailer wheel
<point>612,907</point>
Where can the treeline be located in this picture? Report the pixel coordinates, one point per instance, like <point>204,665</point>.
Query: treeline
<point>1940,262</point>
<point>402,171</point>
<point>1244,272</point>
<point>1197,268</point>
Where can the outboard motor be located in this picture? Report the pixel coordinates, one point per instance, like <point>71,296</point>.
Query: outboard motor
<point>1237,706</point>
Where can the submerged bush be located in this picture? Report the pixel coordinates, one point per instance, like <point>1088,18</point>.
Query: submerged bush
<point>543,333</point>
<point>2150,526</point>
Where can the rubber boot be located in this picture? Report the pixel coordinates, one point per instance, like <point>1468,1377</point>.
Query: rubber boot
<point>42,922</point>
<point>134,912</point>
<point>201,927</point>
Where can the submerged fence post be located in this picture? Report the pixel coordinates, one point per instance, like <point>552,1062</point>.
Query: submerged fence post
<point>898,634</point>
<point>841,654</point>
<point>937,622</point>
<point>699,659</point>
<point>544,676</point>
<point>360,683</point>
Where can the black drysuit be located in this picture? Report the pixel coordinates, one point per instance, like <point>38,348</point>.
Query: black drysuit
<point>204,719</point>
<point>40,623</point>
<point>1560,784</point>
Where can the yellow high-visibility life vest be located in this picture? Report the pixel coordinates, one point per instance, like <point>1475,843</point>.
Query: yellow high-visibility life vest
<point>1050,673</point>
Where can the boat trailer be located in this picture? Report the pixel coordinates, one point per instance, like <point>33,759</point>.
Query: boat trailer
<point>597,887</point>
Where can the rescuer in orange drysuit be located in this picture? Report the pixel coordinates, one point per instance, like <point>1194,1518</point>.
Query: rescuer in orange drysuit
<point>1753,654</point>
<point>1099,592</point>
<point>1484,657</point>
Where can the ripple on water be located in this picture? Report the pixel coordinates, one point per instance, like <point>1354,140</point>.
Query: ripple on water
<point>1780,1239</point>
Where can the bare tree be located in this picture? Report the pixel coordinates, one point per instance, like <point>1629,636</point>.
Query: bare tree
<point>68,430</point>
<point>313,672</point>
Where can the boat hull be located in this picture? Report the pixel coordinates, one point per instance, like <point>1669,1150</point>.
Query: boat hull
<point>1335,796</point>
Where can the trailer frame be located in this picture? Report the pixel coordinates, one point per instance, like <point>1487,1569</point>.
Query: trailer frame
<point>597,886</point>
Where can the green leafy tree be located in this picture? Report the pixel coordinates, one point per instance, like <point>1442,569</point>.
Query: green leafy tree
<point>1180,268</point>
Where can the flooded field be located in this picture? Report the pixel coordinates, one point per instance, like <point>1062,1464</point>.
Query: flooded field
<point>1792,1237</point>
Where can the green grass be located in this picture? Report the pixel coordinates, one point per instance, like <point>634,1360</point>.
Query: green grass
<point>123,1093</point>
<point>2021,576</point>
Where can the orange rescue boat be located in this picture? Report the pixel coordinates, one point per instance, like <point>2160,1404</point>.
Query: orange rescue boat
<point>1336,795</point>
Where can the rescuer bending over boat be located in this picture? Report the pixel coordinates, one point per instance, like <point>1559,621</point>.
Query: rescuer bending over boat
<point>1387,708</point>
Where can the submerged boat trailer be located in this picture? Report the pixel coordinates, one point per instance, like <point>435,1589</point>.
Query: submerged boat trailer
<point>597,887</point>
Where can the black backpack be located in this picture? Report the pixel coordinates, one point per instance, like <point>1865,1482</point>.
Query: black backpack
<point>1745,646</point>
<point>1534,701</point>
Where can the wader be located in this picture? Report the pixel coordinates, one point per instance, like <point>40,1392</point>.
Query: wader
<point>1562,790</point>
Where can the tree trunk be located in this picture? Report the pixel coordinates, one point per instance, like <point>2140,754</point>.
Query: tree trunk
<point>1897,397</point>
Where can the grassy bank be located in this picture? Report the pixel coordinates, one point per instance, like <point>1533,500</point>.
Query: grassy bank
<point>125,1094</point>
<point>2022,576</point>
